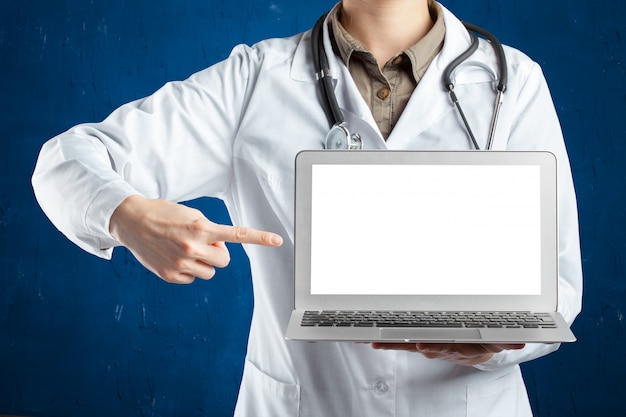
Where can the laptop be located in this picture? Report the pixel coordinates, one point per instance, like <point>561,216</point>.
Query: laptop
<point>426,246</point>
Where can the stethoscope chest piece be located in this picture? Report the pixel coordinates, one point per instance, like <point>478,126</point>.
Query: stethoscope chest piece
<point>340,138</point>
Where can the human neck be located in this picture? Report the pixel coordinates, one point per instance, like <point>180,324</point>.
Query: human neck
<point>386,27</point>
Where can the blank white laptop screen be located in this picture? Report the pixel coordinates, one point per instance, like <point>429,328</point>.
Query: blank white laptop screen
<point>425,230</point>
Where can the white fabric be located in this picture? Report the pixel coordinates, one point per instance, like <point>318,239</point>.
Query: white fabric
<point>232,131</point>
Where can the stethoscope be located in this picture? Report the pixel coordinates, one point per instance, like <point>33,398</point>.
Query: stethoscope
<point>340,137</point>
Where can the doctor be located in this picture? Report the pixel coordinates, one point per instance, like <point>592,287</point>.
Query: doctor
<point>232,131</point>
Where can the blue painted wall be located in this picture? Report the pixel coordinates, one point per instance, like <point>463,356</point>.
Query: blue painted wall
<point>81,336</point>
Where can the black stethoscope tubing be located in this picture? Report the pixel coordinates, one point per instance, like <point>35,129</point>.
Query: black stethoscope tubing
<point>329,99</point>
<point>502,81</point>
<point>320,59</point>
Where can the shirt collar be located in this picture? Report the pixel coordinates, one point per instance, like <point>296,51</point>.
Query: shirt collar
<point>420,54</point>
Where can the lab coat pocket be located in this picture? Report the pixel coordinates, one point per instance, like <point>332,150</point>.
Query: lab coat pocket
<point>263,395</point>
<point>504,396</point>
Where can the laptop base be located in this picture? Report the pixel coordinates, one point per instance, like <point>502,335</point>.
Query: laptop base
<point>560,333</point>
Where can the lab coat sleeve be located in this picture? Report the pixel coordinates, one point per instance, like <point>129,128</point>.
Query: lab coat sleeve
<point>175,144</point>
<point>536,127</point>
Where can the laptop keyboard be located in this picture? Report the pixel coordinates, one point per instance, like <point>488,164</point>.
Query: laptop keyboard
<point>456,319</point>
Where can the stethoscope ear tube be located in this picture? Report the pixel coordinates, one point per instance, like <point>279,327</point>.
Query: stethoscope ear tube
<point>494,119</point>
<point>447,72</point>
<point>502,80</point>
<point>498,50</point>
<point>449,84</point>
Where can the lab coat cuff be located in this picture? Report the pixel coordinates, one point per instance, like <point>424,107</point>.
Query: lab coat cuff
<point>98,215</point>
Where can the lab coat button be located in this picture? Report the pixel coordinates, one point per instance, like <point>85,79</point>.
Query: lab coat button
<point>381,387</point>
<point>383,93</point>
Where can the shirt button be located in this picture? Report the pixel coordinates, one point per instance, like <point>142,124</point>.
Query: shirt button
<point>381,387</point>
<point>397,60</point>
<point>383,93</point>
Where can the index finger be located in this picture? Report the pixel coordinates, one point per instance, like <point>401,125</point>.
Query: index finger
<point>508,346</point>
<point>242,234</point>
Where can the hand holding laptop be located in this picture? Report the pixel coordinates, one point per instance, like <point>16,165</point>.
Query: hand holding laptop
<point>468,354</point>
<point>176,242</point>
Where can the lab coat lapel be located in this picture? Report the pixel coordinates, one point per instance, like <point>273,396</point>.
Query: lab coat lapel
<point>355,111</point>
<point>430,100</point>
<point>302,68</point>
<point>357,114</point>
<point>428,103</point>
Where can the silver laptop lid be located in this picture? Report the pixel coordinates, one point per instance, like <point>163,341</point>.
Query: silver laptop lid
<point>426,230</point>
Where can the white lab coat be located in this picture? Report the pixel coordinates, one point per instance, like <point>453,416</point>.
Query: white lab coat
<point>232,131</point>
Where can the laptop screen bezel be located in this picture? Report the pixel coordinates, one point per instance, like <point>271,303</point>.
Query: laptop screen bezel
<point>546,301</point>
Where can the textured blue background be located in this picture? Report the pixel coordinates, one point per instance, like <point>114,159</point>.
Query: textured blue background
<point>80,336</point>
